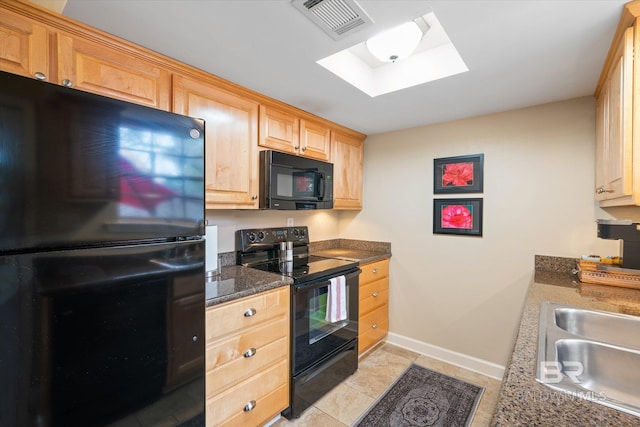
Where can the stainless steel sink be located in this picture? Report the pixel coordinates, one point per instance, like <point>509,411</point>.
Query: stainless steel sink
<point>600,326</point>
<point>590,354</point>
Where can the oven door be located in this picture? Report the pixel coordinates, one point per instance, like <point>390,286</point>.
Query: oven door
<point>314,338</point>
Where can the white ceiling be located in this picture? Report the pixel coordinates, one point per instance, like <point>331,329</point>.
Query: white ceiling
<point>519,52</point>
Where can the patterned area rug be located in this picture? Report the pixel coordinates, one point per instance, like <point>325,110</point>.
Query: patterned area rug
<point>422,397</point>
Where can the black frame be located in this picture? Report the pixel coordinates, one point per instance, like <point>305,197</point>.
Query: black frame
<point>476,185</point>
<point>476,216</point>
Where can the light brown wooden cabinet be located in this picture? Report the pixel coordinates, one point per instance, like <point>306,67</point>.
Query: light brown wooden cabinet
<point>315,140</point>
<point>24,46</point>
<point>90,66</point>
<point>287,132</point>
<point>373,322</point>
<point>617,156</point>
<point>42,51</point>
<point>247,359</point>
<point>63,51</point>
<point>231,122</point>
<point>614,128</point>
<point>347,153</point>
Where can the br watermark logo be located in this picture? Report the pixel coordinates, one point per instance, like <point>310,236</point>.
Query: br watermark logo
<point>554,372</point>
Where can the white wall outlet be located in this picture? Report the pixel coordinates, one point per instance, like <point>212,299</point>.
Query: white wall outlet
<point>289,222</point>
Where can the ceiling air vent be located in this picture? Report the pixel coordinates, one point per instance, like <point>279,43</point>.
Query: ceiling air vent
<point>338,18</point>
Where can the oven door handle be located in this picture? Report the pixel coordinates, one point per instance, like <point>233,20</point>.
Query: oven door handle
<point>323,283</point>
<point>311,286</point>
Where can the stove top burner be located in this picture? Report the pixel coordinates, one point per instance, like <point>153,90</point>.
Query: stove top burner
<point>260,248</point>
<point>307,268</point>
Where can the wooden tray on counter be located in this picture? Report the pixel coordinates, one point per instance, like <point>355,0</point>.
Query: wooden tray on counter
<point>588,273</point>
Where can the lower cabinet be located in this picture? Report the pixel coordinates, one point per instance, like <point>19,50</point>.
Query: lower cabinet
<point>373,324</point>
<point>247,359</point>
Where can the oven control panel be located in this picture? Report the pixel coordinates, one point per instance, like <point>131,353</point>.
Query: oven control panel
<point>263,238</point>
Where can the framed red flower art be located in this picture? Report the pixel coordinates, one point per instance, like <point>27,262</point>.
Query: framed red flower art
<point>461,174</point>
<point>457,216</point>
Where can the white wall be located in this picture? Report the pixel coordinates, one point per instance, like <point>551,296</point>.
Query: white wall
<point>465,294</point>
<point>323,225</point>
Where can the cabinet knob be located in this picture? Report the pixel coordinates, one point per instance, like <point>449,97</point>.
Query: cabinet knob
<point>375,271</point>
<point>250,312</point>
<point>374,326</point>
<point>250,353</point>
<point>304,148</point>
<point>601,190</point>
<point>375,294</point>
<point>194,338</point>
<point>254,197</point>
<point>297,147</point>
<point>67,83</point>
<point>40,76</point>
<point>249,406</point>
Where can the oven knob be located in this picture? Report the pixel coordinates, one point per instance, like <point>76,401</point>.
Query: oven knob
<point>260,235</point>
<point>302,232</point>
<point>252,237</point>
<point>295,232</point>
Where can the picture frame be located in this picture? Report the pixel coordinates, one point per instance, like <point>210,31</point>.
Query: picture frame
<point>458,216</point>
<point>459,174</point>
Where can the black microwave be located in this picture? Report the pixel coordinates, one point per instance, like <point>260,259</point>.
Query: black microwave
<point>291,182</point>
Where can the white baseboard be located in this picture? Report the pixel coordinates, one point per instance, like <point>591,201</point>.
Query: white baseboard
<point>462,360</point>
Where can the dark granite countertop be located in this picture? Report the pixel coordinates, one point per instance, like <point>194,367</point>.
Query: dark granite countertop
<point>359,251</point>
<point>238,282</point>
<point>525,402</point>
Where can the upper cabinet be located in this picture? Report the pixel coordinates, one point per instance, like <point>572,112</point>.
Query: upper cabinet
<point>287,132</point>
<point>614,128</point>
<point>38,43</point>
<point>231,129</point>
<point>347,154</point>
<point>315,140</point>
<point>88,63</point>
<point>617,156</point>
<point>24,46</point>
<point>90,66</point>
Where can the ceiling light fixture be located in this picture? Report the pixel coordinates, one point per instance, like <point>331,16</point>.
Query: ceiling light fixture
<point>396,43</point>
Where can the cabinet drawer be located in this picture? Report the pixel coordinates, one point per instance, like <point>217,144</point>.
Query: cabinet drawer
<point>373,327</point>
<point>228,318</point>
<point>226,361</point>
<point>269,390</point>
<point>373,299</point>
<point>374,271</point>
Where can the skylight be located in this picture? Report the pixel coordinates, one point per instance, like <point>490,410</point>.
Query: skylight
<point>434,58</point>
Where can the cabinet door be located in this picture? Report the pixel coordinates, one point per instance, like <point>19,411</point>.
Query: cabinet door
<point>614,115</point>
<point>347,155</point>
<point>278,130</point>
<point>24,46</point>
<point>315,140</point>
<point>231,132</point>
<point>98,68</point>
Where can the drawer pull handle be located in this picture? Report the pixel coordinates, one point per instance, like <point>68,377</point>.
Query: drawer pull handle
<point>249,406</point>
<point>250,312</point>
<point>249,353</point>
<point>375,294</point>
<point>374,326</point>
<point>375,271</point>
<point>40,76</point>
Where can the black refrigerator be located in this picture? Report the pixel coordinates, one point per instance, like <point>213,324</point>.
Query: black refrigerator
<point>101,260</point>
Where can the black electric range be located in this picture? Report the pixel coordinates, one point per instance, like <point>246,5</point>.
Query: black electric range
<point>324,348</point>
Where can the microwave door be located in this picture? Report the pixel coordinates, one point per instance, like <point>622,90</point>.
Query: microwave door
<point>305,185</point>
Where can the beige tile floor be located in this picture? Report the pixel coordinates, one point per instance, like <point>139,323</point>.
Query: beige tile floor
<point>343,405</point>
